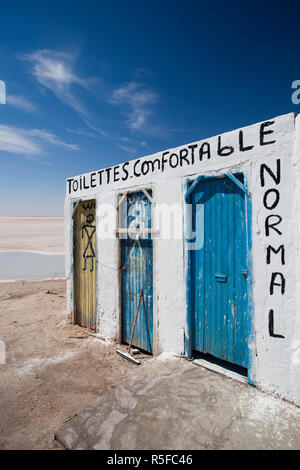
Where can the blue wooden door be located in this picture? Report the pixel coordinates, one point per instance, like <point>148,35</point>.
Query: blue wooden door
<point>137,271</point>
<point>219,271</point>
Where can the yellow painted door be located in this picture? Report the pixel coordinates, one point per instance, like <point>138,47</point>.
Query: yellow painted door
<point>85,264</point>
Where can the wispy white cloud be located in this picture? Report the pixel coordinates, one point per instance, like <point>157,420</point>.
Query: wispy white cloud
<point>21,102</point>
<point>15,140</point>
<point>9,167</point>
<point>30,143</point>
<point>126,148</point>
<point>82,132</point>
<point>106,135</point>
<point>55,71</point>
<point>138,99</point>
<point>51,138</point>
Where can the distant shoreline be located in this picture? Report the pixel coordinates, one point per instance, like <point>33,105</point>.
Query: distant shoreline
<point>51,217</point>
<point>34,251</point>
<point>9,281</point>
<point>30,265</point>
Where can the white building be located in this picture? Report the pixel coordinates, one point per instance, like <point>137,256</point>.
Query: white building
<point>230,289</point>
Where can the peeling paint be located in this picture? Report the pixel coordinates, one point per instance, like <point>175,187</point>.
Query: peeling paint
<point>272,367</point>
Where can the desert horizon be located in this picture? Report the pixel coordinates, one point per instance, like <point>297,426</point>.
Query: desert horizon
<point>32,233</point>
<point>31,248</point>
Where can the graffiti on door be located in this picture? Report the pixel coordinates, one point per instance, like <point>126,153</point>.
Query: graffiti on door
<point>87,232</point>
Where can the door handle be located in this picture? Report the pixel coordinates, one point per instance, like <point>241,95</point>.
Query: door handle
<point>123,269</point>
<point>245,274</point>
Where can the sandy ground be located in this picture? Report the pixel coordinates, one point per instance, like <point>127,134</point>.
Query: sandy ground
<point>32,233</point>
<point>179,405</point>
<point>53,369</point>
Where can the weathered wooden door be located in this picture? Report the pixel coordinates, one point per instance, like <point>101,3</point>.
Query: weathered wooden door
<point>219,271</point>
<point>137,271</point>
<point>85,264</point>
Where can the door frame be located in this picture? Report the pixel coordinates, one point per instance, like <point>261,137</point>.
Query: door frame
<point>74,206</point>
<point>119,195</point>
<point>188,257</point>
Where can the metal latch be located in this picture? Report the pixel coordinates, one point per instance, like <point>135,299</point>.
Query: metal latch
<point>221,277</point>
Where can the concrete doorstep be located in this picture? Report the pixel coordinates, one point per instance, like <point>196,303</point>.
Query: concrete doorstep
<point>173,404</point>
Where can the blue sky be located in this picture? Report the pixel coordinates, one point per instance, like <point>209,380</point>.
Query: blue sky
<point>91,84</point>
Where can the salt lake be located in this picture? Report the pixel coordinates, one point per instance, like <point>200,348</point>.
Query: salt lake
<point>21,265</point>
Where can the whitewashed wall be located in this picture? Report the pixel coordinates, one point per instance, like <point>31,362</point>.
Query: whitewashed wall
<point>275,360</point>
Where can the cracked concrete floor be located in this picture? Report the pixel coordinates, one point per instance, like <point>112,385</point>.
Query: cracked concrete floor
<point>171,403</point>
